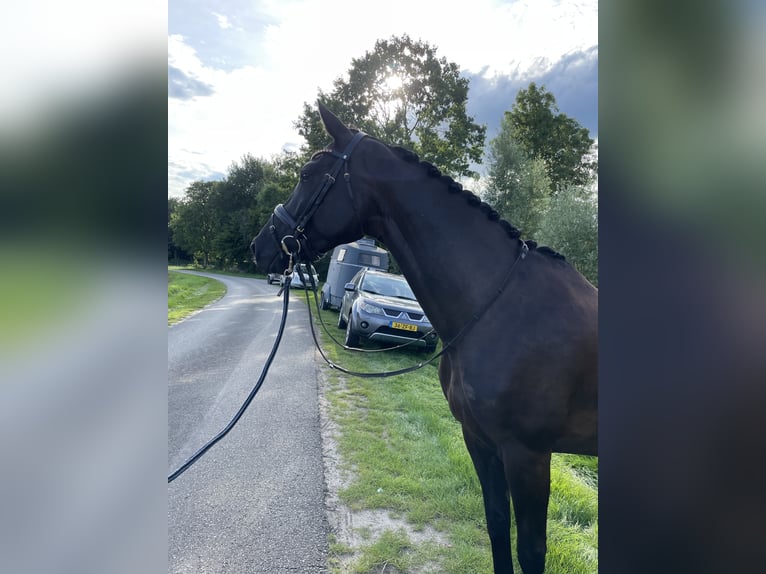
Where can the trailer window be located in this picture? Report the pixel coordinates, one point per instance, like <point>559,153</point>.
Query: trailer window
<point>369,259</point>
<point>342,254</point>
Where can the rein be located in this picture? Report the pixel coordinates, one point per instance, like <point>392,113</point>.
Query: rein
<point>250,397</point>
<point>445,347</point>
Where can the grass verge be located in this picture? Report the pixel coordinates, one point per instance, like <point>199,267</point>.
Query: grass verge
<point>191,267</point>
<point>189,293</point>
<point>405,456</point>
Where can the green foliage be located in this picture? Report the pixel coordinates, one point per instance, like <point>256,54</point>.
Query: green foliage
<point>539,169</point>
<point>233,205</point>
<point>215,221</point>
<point>194,220</point>
<point>175,253</point>
<point>403,94</point>
<point>560,141</point>
<point>571,227</point>
<point>518,186</point>
<point>270,196</point>
<point>172,206</point>
<point>286,170</point>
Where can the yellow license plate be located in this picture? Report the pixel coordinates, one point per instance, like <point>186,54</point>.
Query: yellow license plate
<point>404,326</point>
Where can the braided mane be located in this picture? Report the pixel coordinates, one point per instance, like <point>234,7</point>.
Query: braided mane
<point>472,199</point>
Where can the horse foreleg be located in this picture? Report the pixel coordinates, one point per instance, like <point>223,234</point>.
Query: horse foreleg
<point>497,506</point>
<point>529,477</point>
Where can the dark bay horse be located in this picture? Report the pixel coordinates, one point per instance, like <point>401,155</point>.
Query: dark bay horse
<point>521,376</point>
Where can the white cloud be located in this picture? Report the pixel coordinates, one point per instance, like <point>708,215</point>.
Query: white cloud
<point>223,21</point>
<point>307,46</point>
<point>206,134</point>
<point>501,35</point>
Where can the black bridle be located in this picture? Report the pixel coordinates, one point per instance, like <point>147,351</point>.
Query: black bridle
<point>294,243</point>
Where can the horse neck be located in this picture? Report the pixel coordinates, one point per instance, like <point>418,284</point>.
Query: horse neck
<point>452,255</point>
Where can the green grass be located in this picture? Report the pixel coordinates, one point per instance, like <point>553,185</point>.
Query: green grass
<point>407,456</point>
<point>191,267</point>
<point>188,293</point>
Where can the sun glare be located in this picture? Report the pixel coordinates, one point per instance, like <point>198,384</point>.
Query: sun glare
<point>392,96</point>
<point>393,82</point>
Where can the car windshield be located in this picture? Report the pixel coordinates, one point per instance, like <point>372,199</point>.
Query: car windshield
<point>388,286</point>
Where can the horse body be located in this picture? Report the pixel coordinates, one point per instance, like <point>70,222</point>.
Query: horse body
<point>522,380</point>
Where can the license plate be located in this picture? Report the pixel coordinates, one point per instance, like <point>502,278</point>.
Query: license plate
<point>404,326</point>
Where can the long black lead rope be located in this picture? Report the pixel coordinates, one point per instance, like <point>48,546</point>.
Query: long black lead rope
<point>250,397</point>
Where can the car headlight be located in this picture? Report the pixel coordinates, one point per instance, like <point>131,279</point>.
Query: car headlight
<point>370,308</point>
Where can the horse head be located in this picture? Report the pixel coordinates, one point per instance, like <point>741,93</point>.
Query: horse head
<point>324,208</point>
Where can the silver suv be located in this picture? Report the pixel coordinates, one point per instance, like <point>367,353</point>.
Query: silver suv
<point>379,306</point>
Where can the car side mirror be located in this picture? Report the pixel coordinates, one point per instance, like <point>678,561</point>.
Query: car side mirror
<point>350,287</point>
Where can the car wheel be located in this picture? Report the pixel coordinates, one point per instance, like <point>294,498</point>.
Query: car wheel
<point>341,320</point>
<point>352,339</point>
<point>325,302</point>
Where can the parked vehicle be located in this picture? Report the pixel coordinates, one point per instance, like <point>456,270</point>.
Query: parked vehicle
<point>346,261</point>
<point>296,283</point>
<point>274,278</point>
<point>380,306</point>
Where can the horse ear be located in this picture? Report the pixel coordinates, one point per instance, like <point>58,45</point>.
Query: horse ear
<point>339,132</point>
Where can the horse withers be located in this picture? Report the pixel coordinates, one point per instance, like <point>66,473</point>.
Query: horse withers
<point>520,374</point>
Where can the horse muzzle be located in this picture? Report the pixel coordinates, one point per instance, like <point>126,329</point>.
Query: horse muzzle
<point>267,256</point>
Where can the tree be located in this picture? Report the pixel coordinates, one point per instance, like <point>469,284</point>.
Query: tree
<point>286,173</point>
<point>560,141</point>
<point>216,220</point>
<point>194,221</point>
<point>233,202</point>
<point>518,186</point>
<point>245,178</point>
<point>404,95</point>
<point>175,253</point>
<point>571,227</point>
<point>535,163</point>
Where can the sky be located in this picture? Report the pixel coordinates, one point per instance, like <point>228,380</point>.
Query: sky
<point>239,72</point>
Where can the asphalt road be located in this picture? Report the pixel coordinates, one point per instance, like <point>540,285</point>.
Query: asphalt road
<point>255,502</point>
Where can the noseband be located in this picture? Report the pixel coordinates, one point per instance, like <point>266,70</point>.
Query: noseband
<point>295,241</point>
